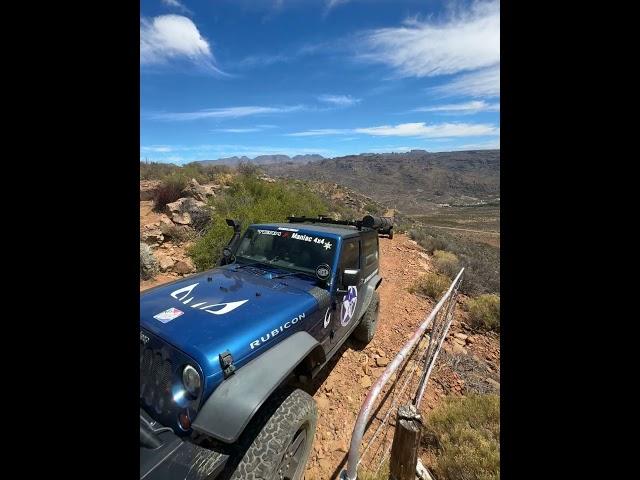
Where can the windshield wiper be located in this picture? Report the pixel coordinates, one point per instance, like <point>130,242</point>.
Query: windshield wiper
<point>295,273</point>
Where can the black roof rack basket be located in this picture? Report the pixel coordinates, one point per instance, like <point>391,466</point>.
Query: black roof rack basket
<point>325,219</point>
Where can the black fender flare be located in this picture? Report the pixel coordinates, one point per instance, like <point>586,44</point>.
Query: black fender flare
<point>370,286</point>
<point>228,410</point>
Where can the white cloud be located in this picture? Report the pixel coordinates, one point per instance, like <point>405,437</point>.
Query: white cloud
<point>330,4</point>
<point>464,42</point>
<point>490,145</point>
<point>439,130</point>
<point>482,83</point>
<point>236,130</point>
<point>229,112</point>
<point>466,108</point>
<point>421,129</point>
<point>157,149</point>
<point>320,132</point>
<point>339,100</point>
<point>172,37</point>
<point>178,5</point>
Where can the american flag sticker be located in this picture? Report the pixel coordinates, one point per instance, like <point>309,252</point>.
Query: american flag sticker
<point>168,315</point>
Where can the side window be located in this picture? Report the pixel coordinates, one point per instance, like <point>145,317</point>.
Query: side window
<point>350,255</point>
<point>370,250</point>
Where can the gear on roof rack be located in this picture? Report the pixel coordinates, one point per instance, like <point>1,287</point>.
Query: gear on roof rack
<point>384,225</point>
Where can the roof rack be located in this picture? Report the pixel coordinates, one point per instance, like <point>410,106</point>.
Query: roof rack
<point>325,219</point>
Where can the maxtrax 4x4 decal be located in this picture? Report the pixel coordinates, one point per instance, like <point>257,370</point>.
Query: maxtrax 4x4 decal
<point>225,307</point>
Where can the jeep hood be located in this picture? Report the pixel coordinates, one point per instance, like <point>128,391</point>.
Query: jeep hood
<point>226,309</point>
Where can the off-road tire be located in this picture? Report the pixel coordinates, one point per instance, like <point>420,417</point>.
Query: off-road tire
<point>270,434</point>
<point>391,234</point>
<point>366,329</point>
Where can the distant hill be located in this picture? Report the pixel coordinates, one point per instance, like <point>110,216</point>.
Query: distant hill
<point>409,181</point>
<point>263,160</point>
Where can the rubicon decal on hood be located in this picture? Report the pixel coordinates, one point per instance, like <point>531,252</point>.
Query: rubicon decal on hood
<point>224,307</point>
<point>265,338</point>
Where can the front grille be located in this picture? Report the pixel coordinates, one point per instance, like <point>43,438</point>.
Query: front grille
<point>155,379</point>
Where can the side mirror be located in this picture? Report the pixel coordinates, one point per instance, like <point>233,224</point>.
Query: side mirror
<point>350,277</point>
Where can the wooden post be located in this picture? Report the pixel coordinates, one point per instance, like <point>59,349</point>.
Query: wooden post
<point>406,442</point>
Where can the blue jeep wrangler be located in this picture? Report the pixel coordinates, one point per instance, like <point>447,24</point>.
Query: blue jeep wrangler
<point>222,351</point>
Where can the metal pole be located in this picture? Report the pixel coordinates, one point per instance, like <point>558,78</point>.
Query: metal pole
<point>425,376</point>
<point>351,473</point>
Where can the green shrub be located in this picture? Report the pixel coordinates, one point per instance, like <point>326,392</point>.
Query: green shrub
<point>481,261</point>
<point>465,434</point>
<point>169,191</point>
<point>251,200</point>
<point>432,285</point>
<point>446,262</point>
<point>484,312</point>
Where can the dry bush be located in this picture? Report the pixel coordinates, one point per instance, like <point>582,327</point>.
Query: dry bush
<point>465,434</point>
<point>169,191</point>
<point>484,312</point>
<point>446,262</point>
<point>432,285</point>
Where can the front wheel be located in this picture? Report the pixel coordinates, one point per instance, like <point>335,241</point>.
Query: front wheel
<point>281,448</point>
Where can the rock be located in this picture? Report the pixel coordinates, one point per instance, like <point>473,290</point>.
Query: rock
<point>365,381</point>
<point>342,446</point>
<point>188,211</point>
<point>148,189</point>
<point>325,464</point>
<point>323,403</point>
<point>471,340</point>
<point>381,353</point>
<point>183,267</point>
<point>152,237</point>
<point>382,362</point>
<point>175,232</point>
<point>197,191</point>
<point>459,342</point>
<point>148,263</point>
<point>164,220</point>
<point>181,218</point>
<point>461,336</point>
<point>366,369</point>
<point>166,262</point>
<point>458,349</point>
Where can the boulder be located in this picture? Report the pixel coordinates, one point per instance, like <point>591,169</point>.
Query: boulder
<point>184,267</point>
<point>148,189</point>
<point>152,237</point>
<point>165,262</point>
<point>197,191</point>
<point>148,263</point>
<point>189,211</point>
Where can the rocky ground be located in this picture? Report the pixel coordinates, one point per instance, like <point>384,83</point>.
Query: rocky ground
<point>342,392</point>
<point>469,362</point>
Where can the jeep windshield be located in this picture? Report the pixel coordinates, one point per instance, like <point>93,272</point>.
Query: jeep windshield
<point>286,249</point>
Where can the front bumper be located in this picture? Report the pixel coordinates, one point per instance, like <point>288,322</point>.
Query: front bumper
<point>165,456</point>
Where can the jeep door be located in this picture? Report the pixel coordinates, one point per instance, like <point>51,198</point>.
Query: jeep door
<point>348,297</point>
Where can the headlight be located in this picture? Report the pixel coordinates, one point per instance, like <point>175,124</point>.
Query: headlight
<point>191,380</point>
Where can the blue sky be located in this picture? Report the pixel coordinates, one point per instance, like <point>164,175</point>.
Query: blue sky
<point>249,77</point>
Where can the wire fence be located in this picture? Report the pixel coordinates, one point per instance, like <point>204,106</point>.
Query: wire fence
<point>403,382</point>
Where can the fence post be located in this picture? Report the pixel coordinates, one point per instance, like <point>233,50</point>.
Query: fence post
<point>406,443</point>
